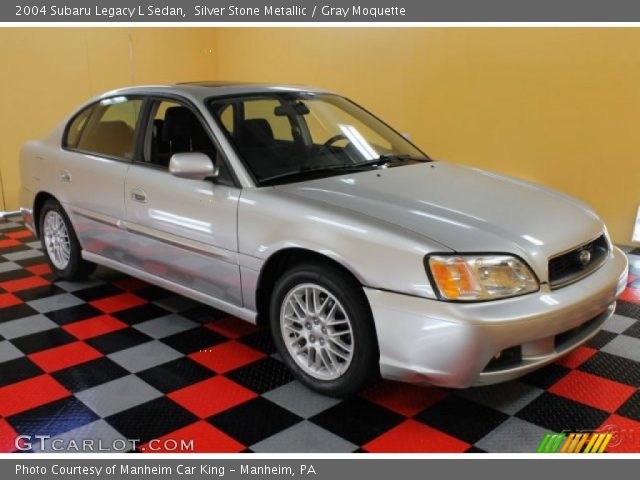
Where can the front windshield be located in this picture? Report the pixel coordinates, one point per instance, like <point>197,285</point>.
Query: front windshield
<point>285,137</point>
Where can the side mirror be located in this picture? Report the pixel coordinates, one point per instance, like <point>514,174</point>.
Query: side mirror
<point>192,165</point>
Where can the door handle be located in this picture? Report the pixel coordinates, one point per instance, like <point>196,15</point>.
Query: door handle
<point>139,195</point>
<point>65,176</point>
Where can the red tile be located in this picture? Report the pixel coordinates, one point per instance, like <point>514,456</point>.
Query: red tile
<point>414,437</point>
<point>118,302</point>
<point>592,390</point>
<point>19,234</point>
<point>7,437</point>
<point>227,356</point>
<point>93,327</point>
<point>403,398</point>
<point>211,396</point>
<point>8,300</point>
<point>626,432</point>
<point>631,295</point>
<point>27,394</point>
<point>131,284</point>
<point>40,269</point>
<point>64,356</point>
<point>23,284</point>
<point>9,242</point>
<point>232,327</point>
<point>205,437</point>
<point>577,357</point>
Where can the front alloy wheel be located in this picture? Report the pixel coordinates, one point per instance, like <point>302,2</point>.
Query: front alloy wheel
<point>56,239</point>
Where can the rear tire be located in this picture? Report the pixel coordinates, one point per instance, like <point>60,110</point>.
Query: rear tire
<point>60,244</point>
<point>323,329</point>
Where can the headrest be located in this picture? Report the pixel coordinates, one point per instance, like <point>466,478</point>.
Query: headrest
<point>256,131</point>
<point>178,124</point>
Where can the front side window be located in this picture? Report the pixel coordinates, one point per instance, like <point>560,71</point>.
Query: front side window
<point>109,129</point>
<point>284,137</point>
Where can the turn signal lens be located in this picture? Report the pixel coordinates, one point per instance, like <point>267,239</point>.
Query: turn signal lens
<point>481,277</point>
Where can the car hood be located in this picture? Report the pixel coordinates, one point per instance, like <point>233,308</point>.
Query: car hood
<point>462,208</point>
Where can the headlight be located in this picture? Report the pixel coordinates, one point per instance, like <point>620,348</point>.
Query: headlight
<point>480,277</point>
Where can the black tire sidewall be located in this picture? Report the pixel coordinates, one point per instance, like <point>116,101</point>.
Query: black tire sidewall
<point>364,364</point>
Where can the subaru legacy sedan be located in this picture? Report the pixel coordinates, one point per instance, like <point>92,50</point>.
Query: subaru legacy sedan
<point>297,209</point>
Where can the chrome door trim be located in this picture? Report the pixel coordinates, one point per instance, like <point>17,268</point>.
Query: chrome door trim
<point>96,217</point>
<point>184,243</point>
<point>240,312</point>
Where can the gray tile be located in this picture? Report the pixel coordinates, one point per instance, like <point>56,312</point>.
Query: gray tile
<point>624,346</point>
<point>513,436</point>
<point>507,397</point>
<point>8,351</point>
<point>26,326</point>
<point>23,255</point>
<point>35,245</point>
<point>118,395</point>
<point>9,266</point>
<point>8,225</point>
<point>300,400</point>
<point>147,355</point>
<point>165,326</point>
<point>177,303</point>
<point>618,323</point>
<point>55,302</point>
<point>304,437</point>
<point>73,286</point>
<point>103,436</point>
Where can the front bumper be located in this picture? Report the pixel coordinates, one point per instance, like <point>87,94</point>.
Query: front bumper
<point>451,344</point>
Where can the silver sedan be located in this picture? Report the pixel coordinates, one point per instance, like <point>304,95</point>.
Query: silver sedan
<point>297,209</point>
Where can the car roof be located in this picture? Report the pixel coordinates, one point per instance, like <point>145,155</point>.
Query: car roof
<point>201,90</point>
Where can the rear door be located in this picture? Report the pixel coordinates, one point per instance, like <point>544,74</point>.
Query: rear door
<point>99,145</point>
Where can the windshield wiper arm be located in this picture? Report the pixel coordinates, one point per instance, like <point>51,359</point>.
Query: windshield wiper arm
<point>348,167</point>
<point>391,158</point>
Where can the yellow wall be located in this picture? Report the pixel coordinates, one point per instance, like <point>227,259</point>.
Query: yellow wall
<point>48,72</point>
<point>559,106</point>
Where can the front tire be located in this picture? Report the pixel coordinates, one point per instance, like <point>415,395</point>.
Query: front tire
<point>60,244</point>
<point>323,329</point>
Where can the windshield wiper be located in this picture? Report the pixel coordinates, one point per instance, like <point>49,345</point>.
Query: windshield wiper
<point>391,158</point>
<point>342,167</point>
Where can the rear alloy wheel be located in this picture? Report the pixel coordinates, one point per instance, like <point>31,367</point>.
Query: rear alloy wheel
<point>61,245</point>
<point>322,326</point>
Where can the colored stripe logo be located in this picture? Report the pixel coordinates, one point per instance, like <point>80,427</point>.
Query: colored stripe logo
<point>575,442</point>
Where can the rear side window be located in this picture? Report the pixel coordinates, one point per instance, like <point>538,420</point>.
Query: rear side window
<point>108,129</point>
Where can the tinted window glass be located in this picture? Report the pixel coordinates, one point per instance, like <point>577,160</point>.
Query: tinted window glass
<point>76,127</point>
<point>111,127</point>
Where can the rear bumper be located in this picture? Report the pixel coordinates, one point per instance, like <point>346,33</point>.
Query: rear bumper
<point>451,344</point>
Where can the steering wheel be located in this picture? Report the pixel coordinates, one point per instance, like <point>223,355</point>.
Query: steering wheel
<point>334,139</point>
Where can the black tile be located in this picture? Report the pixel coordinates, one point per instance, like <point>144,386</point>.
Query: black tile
<point>600,339</point>
<point>14,312</point>
<point>151,420</point>
<point>547,376</point>
<point>99,291</point>
<point>633,330</point>
<point>15,248</point>
<point>175,375</point>
<point>89,374</point>
<point>43,340</point>
<point>27,262</point>
<point>614,368</point>
<point>153,293</point>
<point>39,292</point>
<point>262,375</point>
<point>73,314</point>
<point>203,314</point>
<point>14,274</point>
<point>53,418</point>
<point>474,449</point>
<point>462,418</point>
<point>628,309</point>
<point>631,408</point>
<point>142,313</point>
<point>260,340</point>
<point>118,340</point>
<point>17,370</point>
<point>253,421</point>
<point>558,414</point>
<point>194,340</point>
<point>357,420</point>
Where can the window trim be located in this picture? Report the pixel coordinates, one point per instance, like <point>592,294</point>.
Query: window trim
<point>146,118</point>
<point>136,131</point>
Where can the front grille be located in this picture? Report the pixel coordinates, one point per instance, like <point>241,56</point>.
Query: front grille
<point>581,261</point>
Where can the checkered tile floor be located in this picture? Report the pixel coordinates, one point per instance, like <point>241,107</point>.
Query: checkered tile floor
<point>115,358</point>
